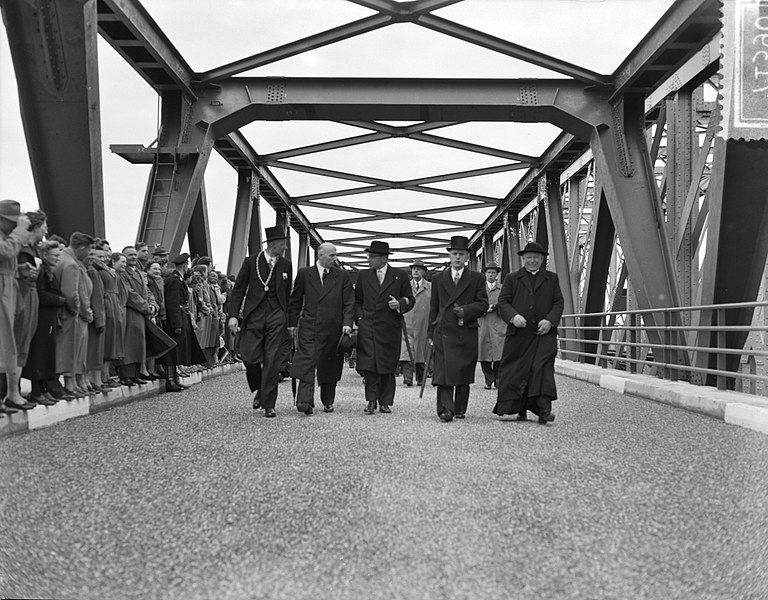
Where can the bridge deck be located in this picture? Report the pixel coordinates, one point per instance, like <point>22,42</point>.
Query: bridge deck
<point>196,495</point>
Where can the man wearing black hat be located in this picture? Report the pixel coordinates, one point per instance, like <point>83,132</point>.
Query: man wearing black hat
<point>263,289</point>
<point>416,323</point>
<point>382,295</point>
<point>458,300</point>
<point>178,325</point>
<point>492,328</point>
<point>322,305</point>
<point>532,303</point>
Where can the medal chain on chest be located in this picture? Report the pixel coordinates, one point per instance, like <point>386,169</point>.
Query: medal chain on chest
<point>272,266</point>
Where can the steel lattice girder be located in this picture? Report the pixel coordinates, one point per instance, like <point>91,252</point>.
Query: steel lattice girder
<point>53,48</point>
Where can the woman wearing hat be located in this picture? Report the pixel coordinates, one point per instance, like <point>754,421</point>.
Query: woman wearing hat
<point>458,300</point>
<point>13,235</point>
<point>532,303</point>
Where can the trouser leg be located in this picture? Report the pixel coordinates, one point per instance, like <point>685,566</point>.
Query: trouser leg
<point>544,405</point>
<point>461,399</point>
<point>253,375</point>
<point>419,373</point>
<point>305,395</point>
<point>273,357</point>
<point>386,389</point>
<point>496,373</point>
<point>487,367</point>
<point>445,403</point>
<point>328,393</point>
<point>407,372</point>
<point>371,383</point>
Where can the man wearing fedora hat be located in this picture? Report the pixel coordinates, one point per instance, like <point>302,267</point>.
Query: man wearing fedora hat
<point>321,310</point>
<point>382,295</point>
<point>492,328</point>
<point>458,300</point>
<point>416,323</point>
<point>263,289</point>
<point>531,303</point>
<point>14,234</point>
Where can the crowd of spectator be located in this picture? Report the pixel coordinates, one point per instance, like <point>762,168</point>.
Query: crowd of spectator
<point>77,318</point>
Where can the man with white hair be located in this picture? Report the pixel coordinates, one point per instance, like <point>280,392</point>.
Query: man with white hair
<point>320,311</point>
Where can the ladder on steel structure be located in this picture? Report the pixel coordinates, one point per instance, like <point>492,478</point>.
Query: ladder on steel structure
<point>159,194</point>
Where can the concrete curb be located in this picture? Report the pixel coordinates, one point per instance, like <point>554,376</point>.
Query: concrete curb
<point>735,408</point>
<point>45,416</point>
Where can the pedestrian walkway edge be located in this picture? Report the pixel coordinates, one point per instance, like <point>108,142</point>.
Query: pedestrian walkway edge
<point>45,416</point>
<point>735,408</point>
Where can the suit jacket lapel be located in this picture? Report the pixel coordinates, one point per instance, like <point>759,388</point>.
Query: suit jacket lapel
<point>457,289</point>
<point>523,275</point>
<point>540,277</point>
<point>322,288</point>
<point>389,277</point>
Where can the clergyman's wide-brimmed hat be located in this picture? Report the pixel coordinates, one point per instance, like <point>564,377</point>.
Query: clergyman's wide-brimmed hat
<point>180,259</point>
<point>418,263</point>
<point>533,247</point>
<point>378,247</point>
<point>275,233</point>
<point>492,266</point>
<point>459,242</point>
<point>10,209</point>
<point>347,342</point>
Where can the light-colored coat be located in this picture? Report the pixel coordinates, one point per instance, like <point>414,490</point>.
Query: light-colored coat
<point>417,322</point>
<point>71,277</point>
<point>492,328</point>
<point>10,245</point>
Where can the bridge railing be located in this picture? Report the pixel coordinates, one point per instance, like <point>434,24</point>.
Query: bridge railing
<point>716,344</point>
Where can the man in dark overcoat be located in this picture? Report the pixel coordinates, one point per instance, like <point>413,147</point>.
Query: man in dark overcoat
<point>135,330</point>
<point>458,300</point>
<point>382,295</point>
<point>531,303</point>
<point>178,325</point>
<point>263,289</point>
<point>322,306</point>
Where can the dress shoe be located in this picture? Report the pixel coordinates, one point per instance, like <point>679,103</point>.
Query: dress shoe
<point>269,413</point>
<point>408,383</point>
<point>42,400</point>
<point>48,396</point>
<point>385,409</point>
<point>104,388</point>
<point>138,381</point>
<point>546,418</point>
<point>74,392</point>
<point>370,409</point>
<point>57,394</point>
<point>19,406</point>
<point>488,386</point>
<point>256,401</point>
<point>127,381</point>
<point>446,417</point>
<point>144,377</point>
<point>309,411</point>
<point>170,386</point>
<point>459,415</point>
<point>7,410</point>
<point>328,408</point>
<point>523,416</point>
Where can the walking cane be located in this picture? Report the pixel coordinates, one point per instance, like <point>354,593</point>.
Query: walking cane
<point>426,370</point>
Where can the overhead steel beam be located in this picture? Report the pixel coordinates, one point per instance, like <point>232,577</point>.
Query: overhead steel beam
<point>400,130</point>
<point>199,230</point>
<point>306,44</point>
<point>235,102</point>
<point>508,48</point>
<point>693,22</point>
<point>241,223</point>
<point>53,48</point>
<point>325,146</point>
<point>469,147</point>
<point>128,28</point>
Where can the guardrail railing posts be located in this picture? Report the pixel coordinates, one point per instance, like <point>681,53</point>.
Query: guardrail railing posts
<point>722,380</point>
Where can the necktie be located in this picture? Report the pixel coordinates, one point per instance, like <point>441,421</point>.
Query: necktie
<point>325,274</point>
<point>455,278</point>
<point>380,275</point>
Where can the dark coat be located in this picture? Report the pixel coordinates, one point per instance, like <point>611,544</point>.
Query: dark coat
<point>135,350</point>
<point>456,345</point>
<point>95,354</point>
<point>527,368</point>
<point>41,362</point>
<point>178,325</point>
<point>320,311</point>
<point>380,327</point>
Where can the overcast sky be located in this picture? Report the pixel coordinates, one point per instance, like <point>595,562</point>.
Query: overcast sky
<point>594,34</point>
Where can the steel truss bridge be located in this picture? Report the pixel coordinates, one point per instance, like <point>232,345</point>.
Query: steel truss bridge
<point>651,197</point>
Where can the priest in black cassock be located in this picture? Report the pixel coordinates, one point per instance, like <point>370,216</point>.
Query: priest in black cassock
<point>262,289</point>
<point>531,303</point>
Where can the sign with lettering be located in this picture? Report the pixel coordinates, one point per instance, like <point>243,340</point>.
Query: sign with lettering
<point>744,69</point>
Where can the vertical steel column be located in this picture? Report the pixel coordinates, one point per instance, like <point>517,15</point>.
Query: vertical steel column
<point>53,46</point>
<point>576,202</point>
<point>283,219</point>
<point>512,231</point>
<point>241,223</point>
<point>488,254</point>
<point>542,229</point>
<point>254,231</point>
<point>199,231</point>
<point>303,258</point>
<point>559,247</point>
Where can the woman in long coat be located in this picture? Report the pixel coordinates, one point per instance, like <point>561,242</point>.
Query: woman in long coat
<point>115,298</point>
<point>41,362</point>
<point>532,303</point>
<point>95,355</point>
